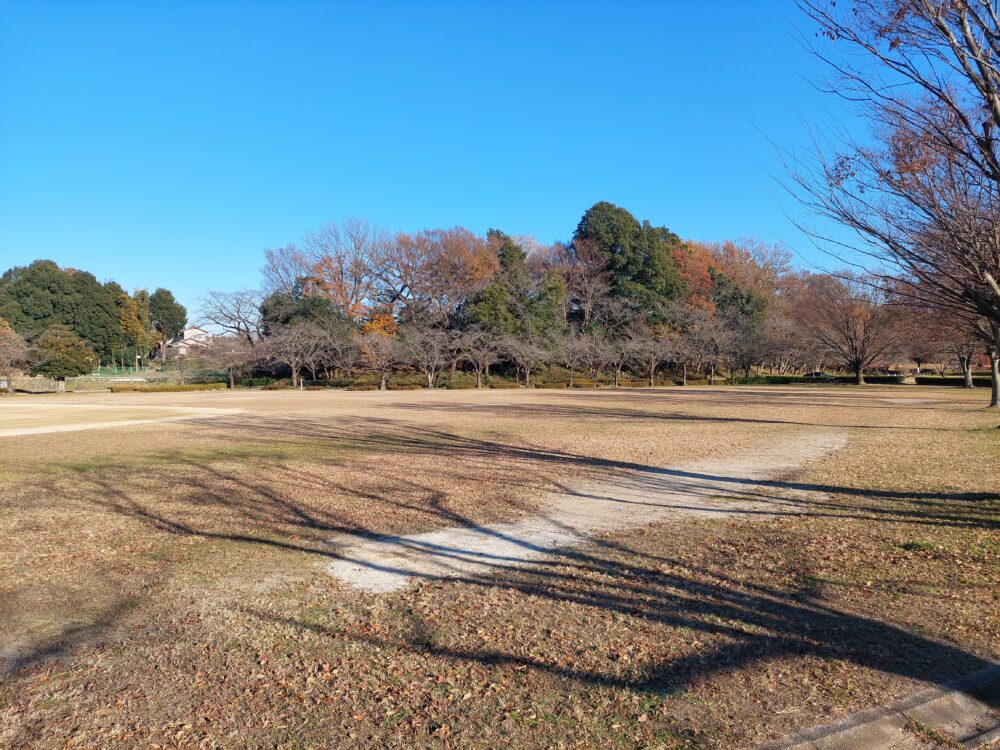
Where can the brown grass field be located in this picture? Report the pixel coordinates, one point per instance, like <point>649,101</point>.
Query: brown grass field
<point>165,584</point>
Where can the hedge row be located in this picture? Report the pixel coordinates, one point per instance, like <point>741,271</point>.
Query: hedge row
<point>167,387</point>
<point>952,380</point>
<point>831,379</point>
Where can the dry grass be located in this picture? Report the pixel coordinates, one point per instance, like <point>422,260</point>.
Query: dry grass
<point>165,584</point>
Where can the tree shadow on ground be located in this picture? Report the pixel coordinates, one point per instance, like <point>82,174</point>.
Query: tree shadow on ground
<point>364,436</point>
<point>750,622</point>
<point>743,623</point>
<point>578,411</point>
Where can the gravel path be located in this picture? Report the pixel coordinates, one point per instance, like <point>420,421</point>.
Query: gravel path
<point>581,509</point>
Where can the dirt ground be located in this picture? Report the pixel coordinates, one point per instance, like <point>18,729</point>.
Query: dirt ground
<point>167,584</point>
<point>37,416</point>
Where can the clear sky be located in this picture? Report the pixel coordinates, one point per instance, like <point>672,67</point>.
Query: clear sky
<point>169,143</point>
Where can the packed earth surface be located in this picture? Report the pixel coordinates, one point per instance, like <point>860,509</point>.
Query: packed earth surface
<point>625,568</point>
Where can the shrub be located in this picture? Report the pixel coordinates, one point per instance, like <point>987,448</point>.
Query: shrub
<point>278,385</point>
<point>552,385</point>
<point>404,387</point>
<point>167,387</point>
<point>884,379</point>
<point>257,382</point>
<point>952,380</point>
<point>501,384</point>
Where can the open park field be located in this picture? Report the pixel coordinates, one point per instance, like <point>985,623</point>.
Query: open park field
<point>638,568</point>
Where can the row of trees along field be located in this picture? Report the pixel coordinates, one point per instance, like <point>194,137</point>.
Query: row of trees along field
<point>920,191</point>
<point>61,322</point>
<point>623,298</point>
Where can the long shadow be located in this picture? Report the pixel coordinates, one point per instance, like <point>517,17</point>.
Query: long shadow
<point>753,622</point>
<point>388,435</point>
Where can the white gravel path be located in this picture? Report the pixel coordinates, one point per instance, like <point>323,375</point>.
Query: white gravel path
<point>581,509</point>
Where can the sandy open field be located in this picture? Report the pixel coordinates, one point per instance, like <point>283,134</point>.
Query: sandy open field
<point>703,568</point>
<point>38,416</point>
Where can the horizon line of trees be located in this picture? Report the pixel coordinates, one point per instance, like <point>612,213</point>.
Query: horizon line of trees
<point>620,296</point>
<point>62,322</point>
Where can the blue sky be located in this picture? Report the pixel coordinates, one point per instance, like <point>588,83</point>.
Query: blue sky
<point>167,144</point>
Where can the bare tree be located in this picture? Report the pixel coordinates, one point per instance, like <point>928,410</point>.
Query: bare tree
<point>588,279</point>
<point>618,351</point>
<point>233,355</point>
<point>182,363</point>
<point>923,197</point>
<point>383,354</point>
<point>341,259</point>
<point>851,319</point>
<point>964,345</point>
<point>989,333</point>
<point>299,346</point>
<point>286,270</point>
<point>598,353</point>
<point>338,347</point>
<point>572,350</point>
<point>527,354</point>
<point>652,346</point>
<point>711,340</point>
<point>480,350</point>
<point>13,353</point>
<point>427,349</point>
<point>236,313</point>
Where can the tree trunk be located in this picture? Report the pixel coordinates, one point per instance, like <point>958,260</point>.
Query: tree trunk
<point>479,378</point>
<point>61,385</point>
<point>527,377</point>
<point>859,376</point>
<point>968,382</point>
<point>652,373</point>
<point>618,377</point>
<point>383,383</point>
<point>684,374</point>
<point>994,380</point>
<point>232,380</point>
<point>711,374</point>
<point>570,377</point>
<point>430,378</point>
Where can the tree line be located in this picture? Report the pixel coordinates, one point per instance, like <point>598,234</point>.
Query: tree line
<point>621,297</point>
<point>920,193</point>
<point>61,322</point>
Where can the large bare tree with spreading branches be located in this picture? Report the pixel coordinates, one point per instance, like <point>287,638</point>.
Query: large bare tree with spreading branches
<point>922,194</point>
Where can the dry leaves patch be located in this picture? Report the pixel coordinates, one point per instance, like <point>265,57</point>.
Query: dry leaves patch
<point>166,587</point>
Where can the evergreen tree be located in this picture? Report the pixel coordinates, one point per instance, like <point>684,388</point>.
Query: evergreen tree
<point>638,256</point>
<point>59,353</point>
<point>168,316</point>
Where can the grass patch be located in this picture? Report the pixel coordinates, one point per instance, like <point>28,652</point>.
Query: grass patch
<point>918,545</point>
